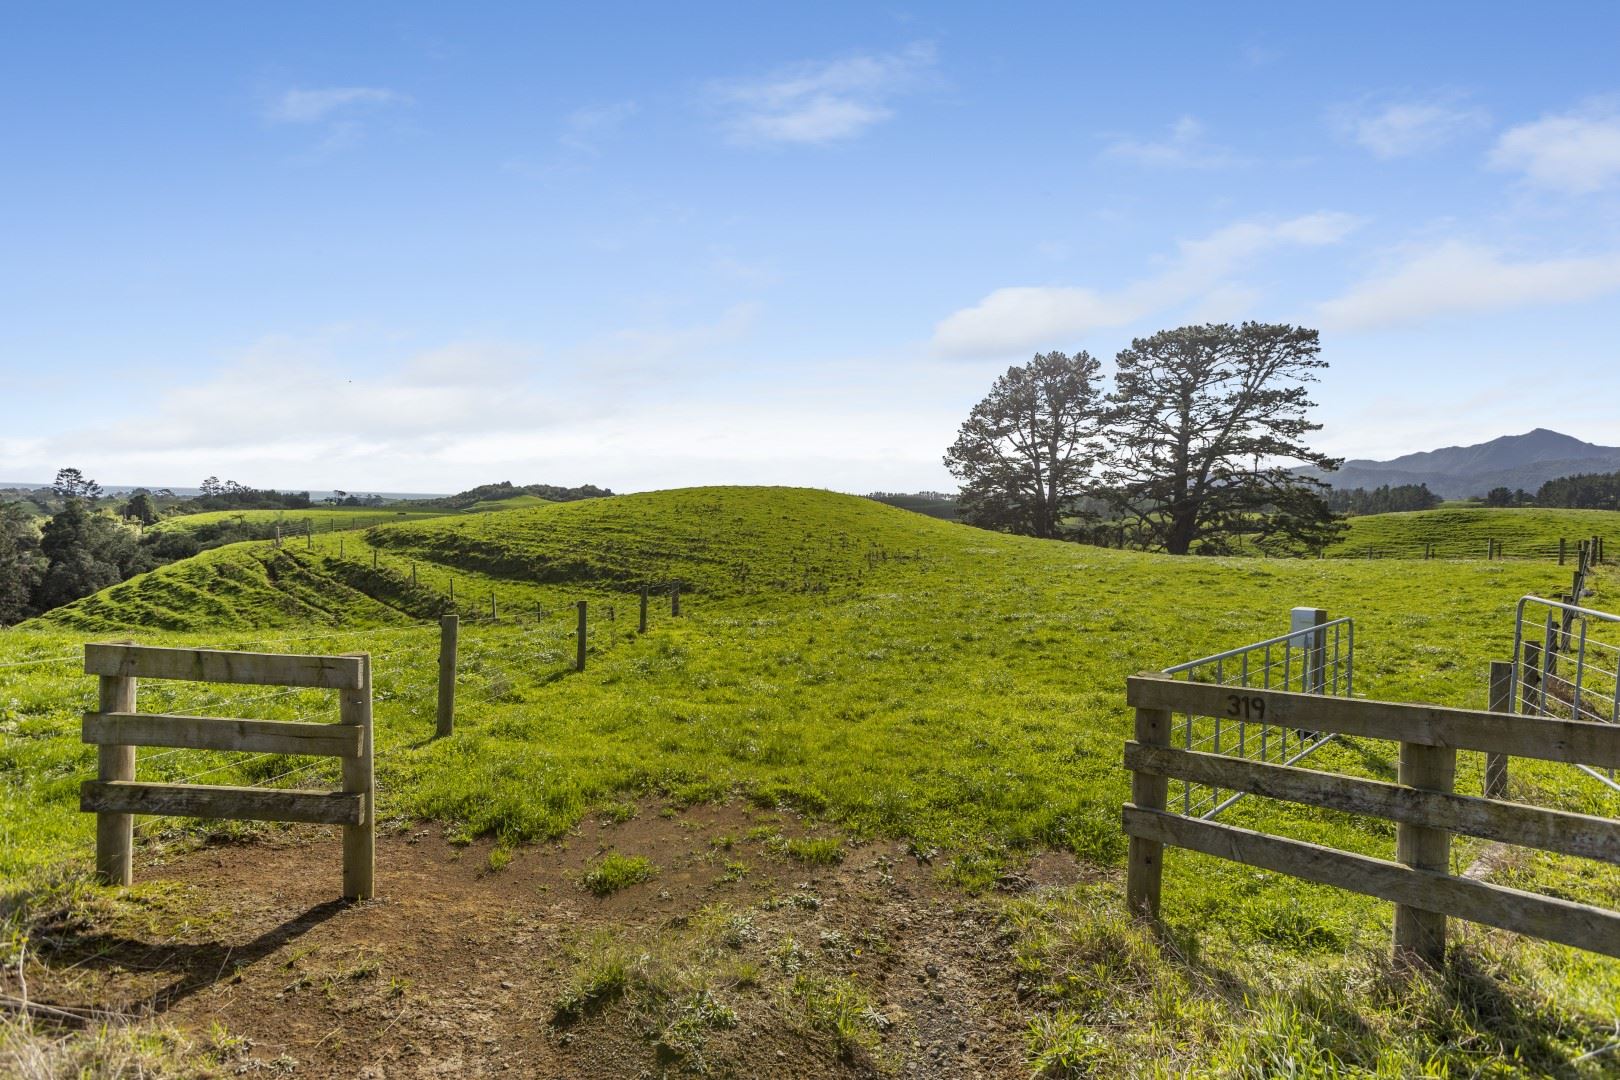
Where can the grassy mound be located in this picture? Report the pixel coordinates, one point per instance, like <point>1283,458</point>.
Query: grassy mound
<point>1462,533</point>
<point>246,586</point>
<point>295,522</point>
<point>516,502</point>
<point>722,542</point>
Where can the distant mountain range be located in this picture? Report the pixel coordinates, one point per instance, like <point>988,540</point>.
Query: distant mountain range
<point>1456,472</point>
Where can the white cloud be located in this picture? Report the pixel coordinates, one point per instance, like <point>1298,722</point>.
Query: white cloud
<point>1023,317</point>
<point>1576,152</point>
<point>314,106</point>
<point>637,409</point>
<point>1458,277</point>
<point>1184,148</point>
<point>822,101</point>
<point>1402,128</point>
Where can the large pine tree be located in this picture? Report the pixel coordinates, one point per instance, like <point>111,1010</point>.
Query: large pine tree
<point>1206,423</point>
<point>1025,454</point>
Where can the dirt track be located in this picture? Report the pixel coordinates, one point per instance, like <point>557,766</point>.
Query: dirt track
<point>458,970</point>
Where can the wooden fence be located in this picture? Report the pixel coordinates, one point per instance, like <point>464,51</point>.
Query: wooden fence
<point>116,728</point>
<point>1423,804</point>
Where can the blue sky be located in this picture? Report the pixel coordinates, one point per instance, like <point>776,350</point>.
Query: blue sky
<point>417,248</point>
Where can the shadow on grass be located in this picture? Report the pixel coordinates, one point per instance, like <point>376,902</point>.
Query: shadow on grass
<point>194,967</point>
<point>1475,1005</point>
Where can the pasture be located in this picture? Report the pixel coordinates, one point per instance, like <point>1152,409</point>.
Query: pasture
<point>1462,532</point>
<point>294,522</point>
<point>856,701</point>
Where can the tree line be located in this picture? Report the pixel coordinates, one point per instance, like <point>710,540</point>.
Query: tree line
<point>1386,499</point>
<point>1188,452</point>
<point>1586,491</point>
<point>83,548</point>
<point>88,542</point>
<point>505,489</point>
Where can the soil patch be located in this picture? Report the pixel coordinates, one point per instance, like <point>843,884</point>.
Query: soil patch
<point>747,952</point>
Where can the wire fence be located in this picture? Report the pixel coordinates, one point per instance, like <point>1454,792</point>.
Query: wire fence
<point>501,652</point>
<point>1563,551</point>
<point>1567,665</point>
<point>1317,657</point>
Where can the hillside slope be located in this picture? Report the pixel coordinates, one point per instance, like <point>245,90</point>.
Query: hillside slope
<point>1462,532</point>
<point>293,522</point>
<point>719,542</point>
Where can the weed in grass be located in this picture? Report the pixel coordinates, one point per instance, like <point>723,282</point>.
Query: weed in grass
<point>617,813</point>
<point>788,956</point>
<point>599,981</point>
<point>500,857</point>
<point>836,1006</point>
<point>816,851</point>
<point>616,871</point>
<point>366,969</point>
<point>737,930</point>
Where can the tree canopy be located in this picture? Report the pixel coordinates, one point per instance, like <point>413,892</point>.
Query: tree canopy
<point>21,565</point>
<point>1385,499</point>
<point>73,484</point>
<point>1026,452</point>
<point>1196,447</point>
<point>1206,419</point>
<point>1587,491</point>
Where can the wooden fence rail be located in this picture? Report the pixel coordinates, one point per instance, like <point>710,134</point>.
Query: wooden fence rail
<point>1424,806</point>
<point>116,729</point>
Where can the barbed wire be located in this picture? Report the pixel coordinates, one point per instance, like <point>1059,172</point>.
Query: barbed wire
<point>42,660</point>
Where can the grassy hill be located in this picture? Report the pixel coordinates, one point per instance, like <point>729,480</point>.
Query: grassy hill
<point>516,502</point>
<point>894,675</point>
<point>1462,532</point>
<point>317,519</point>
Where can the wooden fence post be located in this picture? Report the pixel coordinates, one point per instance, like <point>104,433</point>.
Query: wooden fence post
<point>449,632</point>
<point>579,651</point>
<point>359,850</point>
<point>1501,700</point>
<point>492,611</point>
<point>1563,545</point>
<point>1530,680</point>
<point>1421,935</point>
<point>115,833</point>
<point>1145,863</point>
<point>642,627</point>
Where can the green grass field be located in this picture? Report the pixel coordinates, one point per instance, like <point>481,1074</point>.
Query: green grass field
<point>893,674</point>
<point>318,519</point>
<point>1462,532</point>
